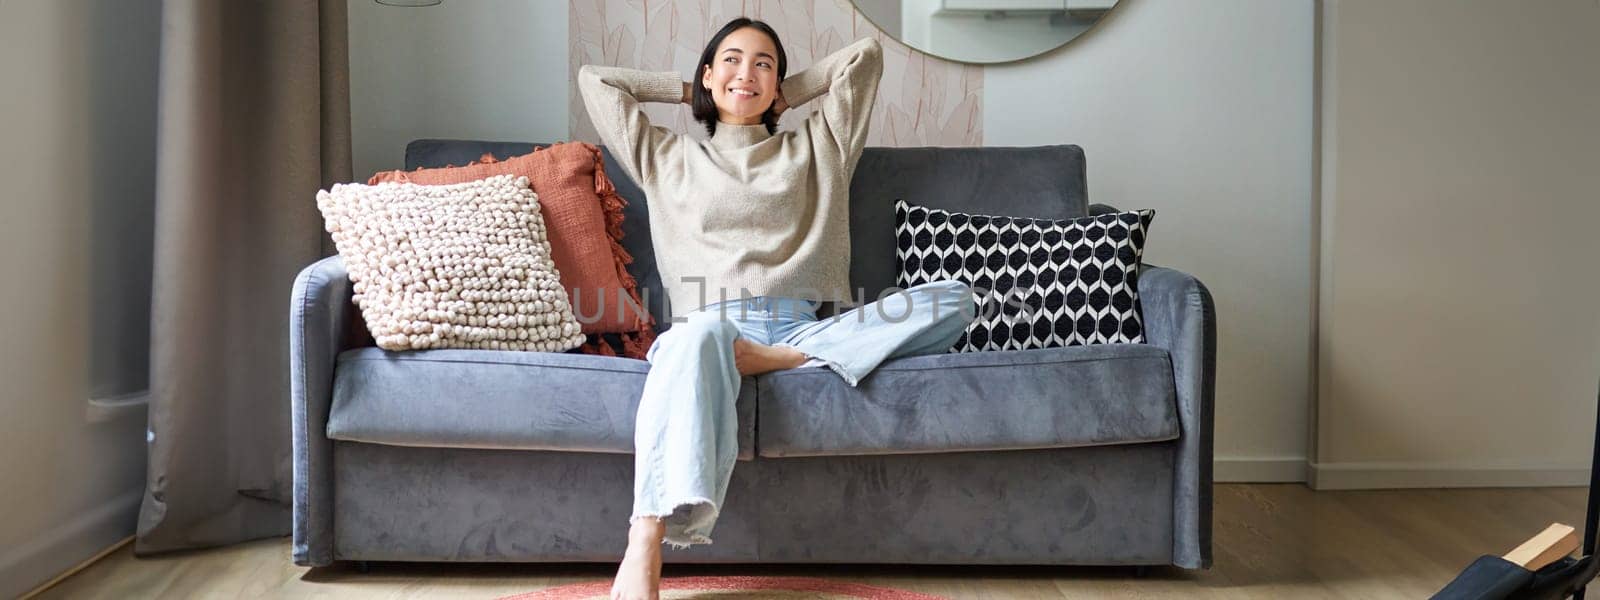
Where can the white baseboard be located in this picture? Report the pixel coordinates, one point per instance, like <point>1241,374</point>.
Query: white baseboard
<point>1239,469</point>
<point>1395,475</point>
<point>36,561</point>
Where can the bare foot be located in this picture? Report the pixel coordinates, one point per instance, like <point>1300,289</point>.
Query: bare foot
<point>753,359</point>
<point>639,576</point>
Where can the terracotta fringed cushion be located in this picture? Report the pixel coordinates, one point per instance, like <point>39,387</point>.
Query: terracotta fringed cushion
<point>634,343</point>
<point>583,216</point>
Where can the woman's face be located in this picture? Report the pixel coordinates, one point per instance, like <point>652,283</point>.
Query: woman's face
<point>743,76</point>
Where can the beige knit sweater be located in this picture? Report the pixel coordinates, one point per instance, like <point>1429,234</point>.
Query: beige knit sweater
<point>745,210</point>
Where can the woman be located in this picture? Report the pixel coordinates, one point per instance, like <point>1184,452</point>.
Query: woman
<point>762,217</point>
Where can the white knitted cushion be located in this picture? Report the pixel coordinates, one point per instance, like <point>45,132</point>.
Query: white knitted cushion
<point>465,265</point>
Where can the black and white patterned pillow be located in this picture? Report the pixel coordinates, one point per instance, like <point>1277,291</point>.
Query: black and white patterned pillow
<point>1039,283</point>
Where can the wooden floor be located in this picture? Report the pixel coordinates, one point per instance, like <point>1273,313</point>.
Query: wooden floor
<point>1272,541</point>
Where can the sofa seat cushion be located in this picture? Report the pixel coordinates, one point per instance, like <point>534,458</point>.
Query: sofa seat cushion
<point>973,401</point>
<point>498,400</point>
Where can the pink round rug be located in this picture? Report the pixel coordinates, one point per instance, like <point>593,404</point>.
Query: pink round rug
<point>734,588</point>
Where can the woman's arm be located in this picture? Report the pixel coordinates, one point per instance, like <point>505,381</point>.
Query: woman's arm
<point>612,96</point>
<point>849,78</point>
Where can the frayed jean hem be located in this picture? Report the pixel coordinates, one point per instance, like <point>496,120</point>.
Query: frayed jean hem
<point>688,523</point>
<point>844,372</point>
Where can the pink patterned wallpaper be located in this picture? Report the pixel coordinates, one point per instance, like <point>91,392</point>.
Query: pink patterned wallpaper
<point>922,100</point>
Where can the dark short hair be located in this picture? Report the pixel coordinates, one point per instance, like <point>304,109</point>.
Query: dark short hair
<point>701,105</point>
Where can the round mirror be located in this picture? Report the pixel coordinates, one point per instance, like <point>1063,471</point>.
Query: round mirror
<point>984,31</point>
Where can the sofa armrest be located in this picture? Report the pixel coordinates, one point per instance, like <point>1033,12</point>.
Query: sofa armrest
<point>320,318</point>
<point>1179,317</point>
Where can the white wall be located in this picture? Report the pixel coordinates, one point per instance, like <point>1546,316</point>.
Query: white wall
<point>1202,111</point>
<point>1460,325</point>
<point>69,487</point>
<point>479,69</point>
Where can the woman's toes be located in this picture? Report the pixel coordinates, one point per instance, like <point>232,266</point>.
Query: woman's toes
<point>795,359</point>
<point>744,356</point>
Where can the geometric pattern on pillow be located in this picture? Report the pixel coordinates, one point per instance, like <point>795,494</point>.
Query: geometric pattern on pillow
<point>463,265</point>
<point>1039,283</point>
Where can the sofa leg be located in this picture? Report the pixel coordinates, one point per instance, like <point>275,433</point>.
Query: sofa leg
<point>363,566</point>
<point>1141,571</point>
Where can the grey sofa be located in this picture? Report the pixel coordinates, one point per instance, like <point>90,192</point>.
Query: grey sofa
<point>1088,455</point>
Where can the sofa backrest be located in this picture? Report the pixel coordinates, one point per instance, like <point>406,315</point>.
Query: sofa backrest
<point>1040,181</point>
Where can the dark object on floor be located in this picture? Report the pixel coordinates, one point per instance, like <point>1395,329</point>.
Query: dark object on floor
<point>1538,568</point>
<point>1493,578</point>
<point>1591,518</point>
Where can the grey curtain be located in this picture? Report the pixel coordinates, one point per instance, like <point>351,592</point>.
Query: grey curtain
<point>254,118</point>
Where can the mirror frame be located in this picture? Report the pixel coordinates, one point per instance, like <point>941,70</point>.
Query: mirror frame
<point>1098,25</point>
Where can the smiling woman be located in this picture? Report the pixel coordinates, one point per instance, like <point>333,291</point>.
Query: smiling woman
<point>750,212</point>
<point>739,73</point>
<point>800,177</point>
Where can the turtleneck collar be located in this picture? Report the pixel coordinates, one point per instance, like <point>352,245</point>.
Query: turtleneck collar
<point>729,136</point>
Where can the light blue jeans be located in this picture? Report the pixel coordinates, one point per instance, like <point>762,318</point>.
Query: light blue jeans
<point>686,433</point>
